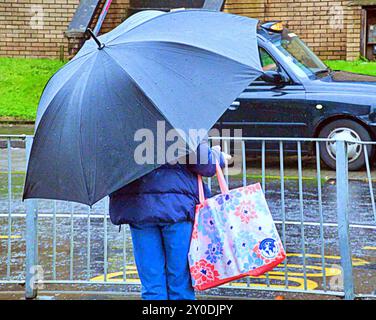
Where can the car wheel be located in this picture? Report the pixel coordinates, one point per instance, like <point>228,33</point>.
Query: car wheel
<point>347,130</point>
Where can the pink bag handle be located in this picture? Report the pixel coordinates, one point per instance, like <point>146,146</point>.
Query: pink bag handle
<point>221,181</point>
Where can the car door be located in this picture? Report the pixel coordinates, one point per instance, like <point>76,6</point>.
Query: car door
<point>268,110</point>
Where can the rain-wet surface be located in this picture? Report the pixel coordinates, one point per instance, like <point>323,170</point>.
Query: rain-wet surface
<point>88,234</point>
<point>16,129</point>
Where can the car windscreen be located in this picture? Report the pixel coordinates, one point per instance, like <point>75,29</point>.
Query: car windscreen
<point>298,53</point>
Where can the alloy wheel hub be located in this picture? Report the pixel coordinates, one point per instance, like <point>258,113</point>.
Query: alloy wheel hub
<point>354,150</point>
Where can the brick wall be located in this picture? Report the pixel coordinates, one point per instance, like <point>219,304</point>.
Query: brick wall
<point>250,8</point>
<point>331,28</point>
<point>35,28</point>
<point>117,13</point>
<point>353,22</point>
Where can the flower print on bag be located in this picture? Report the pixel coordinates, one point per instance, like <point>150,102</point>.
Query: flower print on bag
<point>246,211</point>
<point>207,225</point>
<point>215,251</point>
<point>253,262</point>
<point>249,190</point>
<point>195,230</point>
<point>203,272</point>
<point>221,200</point>
<point>236,236</point>
<point>244,244</point>
<point>228,202</point>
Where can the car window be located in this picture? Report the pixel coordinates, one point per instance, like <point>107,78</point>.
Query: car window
<point>267,62</point>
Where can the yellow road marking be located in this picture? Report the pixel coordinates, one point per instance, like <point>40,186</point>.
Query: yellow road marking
<point>295,279</point>
<point>12,237</point>
<point>356,261</point>
<point>329,271</point>
<point>311,285</point>
<point>369,248</point>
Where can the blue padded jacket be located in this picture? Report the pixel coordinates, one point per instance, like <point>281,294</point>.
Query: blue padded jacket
<point>168,194</point>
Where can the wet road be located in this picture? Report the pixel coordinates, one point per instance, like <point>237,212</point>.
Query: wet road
<point>89,230</point>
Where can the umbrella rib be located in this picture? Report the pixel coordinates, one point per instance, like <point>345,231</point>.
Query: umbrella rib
<point>182,76</point>
<point>36,139</point>
<point>75,58</point>
<point>139,87</point>
<point>174,71</point>
<point>187,45</point>
<point>80,138</point>
<point>147,21</point>
<point>57,91</point>
<point>120,98</point>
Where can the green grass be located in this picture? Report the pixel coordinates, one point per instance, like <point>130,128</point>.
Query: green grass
<point>359,66</point>
<point>21,84</point>
<point>18,179</point>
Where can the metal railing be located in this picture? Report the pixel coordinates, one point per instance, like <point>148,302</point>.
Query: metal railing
<point>69,247</point>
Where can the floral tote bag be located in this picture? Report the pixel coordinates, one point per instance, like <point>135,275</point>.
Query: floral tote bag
<point>234,236</point>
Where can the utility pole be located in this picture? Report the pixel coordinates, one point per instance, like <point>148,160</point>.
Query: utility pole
<point>215,5</point>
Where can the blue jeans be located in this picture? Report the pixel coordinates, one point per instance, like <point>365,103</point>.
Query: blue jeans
<point>161,254</point>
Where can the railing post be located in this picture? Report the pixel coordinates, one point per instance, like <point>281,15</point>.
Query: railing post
<point>343,218</point>
<point>31,238</point>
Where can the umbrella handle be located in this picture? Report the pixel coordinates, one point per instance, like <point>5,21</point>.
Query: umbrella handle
<point>100,45</point>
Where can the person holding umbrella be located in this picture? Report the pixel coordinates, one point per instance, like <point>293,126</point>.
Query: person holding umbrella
<point>172,67</point>
<point>160,210</point>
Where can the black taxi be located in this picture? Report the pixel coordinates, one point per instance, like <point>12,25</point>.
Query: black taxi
<point>299,96</point>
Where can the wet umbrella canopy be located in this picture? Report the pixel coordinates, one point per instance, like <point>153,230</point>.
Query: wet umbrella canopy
<point>184,68</point>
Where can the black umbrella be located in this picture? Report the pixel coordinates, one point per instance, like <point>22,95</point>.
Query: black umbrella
<point>184,68</point>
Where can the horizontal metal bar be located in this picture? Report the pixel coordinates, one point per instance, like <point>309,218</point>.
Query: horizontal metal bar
<point>58,215</point>
<point>117,283</point>
<point>365,296</point>
<point>12,282</point>
<point>273,139</point>
<point>71,292</point>
<point>292,139</point>
<point>14,136</point>
<point>318,292</point>
<point>289,139</point>
<point>121,293</point>
<point>98,216</point>
<point>22,136</point>
<point>327,224</point>
<point>117,293</point>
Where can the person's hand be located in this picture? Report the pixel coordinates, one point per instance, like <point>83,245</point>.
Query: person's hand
<point>227,157</point>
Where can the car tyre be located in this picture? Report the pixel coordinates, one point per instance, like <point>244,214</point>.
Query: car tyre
<point>349,130</point>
